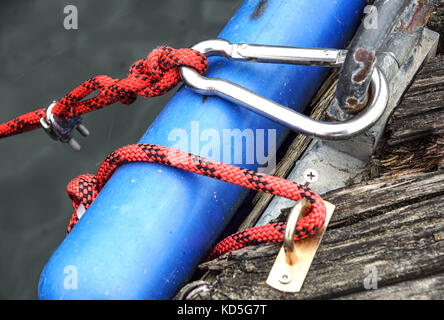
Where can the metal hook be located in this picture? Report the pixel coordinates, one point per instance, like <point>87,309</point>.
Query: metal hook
<point>294,258</point>
<point>296,212</point>
<point>275,111</point>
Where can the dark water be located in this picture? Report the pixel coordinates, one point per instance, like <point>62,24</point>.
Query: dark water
<point>41,61</point>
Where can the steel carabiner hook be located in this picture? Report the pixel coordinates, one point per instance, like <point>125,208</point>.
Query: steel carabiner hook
<point>275,111</point>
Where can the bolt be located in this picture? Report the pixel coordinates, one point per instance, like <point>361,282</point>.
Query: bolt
<point>83,130</point>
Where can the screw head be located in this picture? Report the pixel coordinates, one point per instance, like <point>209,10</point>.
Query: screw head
<point>285,278</point>
<point>311,175</point>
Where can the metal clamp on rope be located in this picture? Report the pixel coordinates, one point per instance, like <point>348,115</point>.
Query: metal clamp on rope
<point>287,55</point>
<point>63,130</point>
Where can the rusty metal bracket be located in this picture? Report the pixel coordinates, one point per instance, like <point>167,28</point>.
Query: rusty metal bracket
<point>383,16</point>
<point>339,162</point>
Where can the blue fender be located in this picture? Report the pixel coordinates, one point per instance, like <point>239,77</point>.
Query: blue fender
<point>151,225</point>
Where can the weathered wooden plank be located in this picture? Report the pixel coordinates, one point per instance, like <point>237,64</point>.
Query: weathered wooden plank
<point>397,233</point>
<point>419,289</point>
<point>416,127</point>
<point>421,112</point>
<point>421,155</point>
<point>380,195</point>
<point>436,22</point>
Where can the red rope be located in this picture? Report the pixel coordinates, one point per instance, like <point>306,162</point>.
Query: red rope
<point>152,77</point>
<point>84,189</point>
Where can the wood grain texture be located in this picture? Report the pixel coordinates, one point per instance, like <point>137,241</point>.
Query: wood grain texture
<point>407,290</point>
<point>421,112</point>
<point>414,139</point>
<point>436,22</point>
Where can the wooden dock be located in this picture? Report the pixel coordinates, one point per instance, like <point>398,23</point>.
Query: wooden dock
<point>391,225</point>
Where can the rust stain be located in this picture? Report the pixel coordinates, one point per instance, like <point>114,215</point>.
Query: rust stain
<point>366,59</point>
<point>421,14</point>
<point>328,117</point>
<point>353,106</point>
<point>259,10</point>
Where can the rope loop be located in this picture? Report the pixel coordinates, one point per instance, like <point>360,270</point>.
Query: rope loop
<point>84,189</point>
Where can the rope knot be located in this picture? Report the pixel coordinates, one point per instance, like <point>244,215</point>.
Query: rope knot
<point>159,72</point>
<point>150,77</point>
